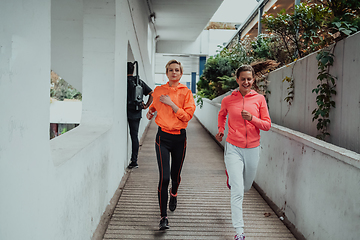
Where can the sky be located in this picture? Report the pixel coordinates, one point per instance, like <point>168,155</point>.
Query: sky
<point>234,11</point>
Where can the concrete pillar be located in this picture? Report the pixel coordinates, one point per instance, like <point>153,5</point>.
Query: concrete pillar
<point>25,163</point>
<point>193,82</point>
<point>202,61</point>
<point>98,61</point>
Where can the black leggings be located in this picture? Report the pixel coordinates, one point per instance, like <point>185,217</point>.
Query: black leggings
<point>134,131</point>
<point>165,145</point>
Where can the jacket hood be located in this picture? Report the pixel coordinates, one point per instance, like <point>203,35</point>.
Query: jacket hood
<point>178,86</point>
<point>236,92</point>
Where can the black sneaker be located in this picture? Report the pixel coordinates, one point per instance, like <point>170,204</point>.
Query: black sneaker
<point>173,201</point>
<point>133,165</point>
<point>164,223</point>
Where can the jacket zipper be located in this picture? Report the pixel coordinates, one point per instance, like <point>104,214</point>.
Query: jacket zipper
<point>245,123</point>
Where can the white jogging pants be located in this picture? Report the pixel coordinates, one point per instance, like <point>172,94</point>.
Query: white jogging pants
<point>241,165</point>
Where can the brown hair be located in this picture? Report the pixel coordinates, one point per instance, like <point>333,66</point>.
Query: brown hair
<point>174,61</point>
<point>245,68</point>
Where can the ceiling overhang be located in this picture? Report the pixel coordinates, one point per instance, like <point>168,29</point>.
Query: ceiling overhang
<point>182,20</point>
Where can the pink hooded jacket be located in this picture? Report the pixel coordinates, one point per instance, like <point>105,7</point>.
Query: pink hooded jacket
<point>243,133</point>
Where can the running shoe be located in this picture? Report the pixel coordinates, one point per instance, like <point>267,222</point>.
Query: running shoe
<point>164,223</point>
<point>239,237</point>
<point>133,165</point>
<point>173,201</point>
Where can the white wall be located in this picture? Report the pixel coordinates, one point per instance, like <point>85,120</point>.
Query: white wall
<point>65,112</point>
<point>344,127</point>
<point>316,184</point>
<point>26,171</point>
<point>59,189</point>
<point>208,116</point>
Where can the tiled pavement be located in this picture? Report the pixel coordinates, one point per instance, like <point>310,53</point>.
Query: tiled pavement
<point>203,210</point>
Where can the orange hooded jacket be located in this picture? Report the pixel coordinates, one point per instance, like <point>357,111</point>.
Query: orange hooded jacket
<point>166,118</point>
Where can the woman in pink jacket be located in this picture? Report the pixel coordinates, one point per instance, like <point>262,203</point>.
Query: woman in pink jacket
<point>248,114</point>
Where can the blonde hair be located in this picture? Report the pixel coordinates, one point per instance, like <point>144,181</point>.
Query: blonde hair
<point>174,61</point>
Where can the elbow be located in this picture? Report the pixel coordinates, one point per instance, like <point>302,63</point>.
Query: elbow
<point>267,127</point>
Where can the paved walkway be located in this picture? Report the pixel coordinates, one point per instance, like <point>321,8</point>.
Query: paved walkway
<point>203,210</point>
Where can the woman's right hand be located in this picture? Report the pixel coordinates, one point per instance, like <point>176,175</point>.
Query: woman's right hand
<point>149,114</point>
<point>219,136</point>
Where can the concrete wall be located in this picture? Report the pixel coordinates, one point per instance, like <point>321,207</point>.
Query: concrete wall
<point>65,111</point>
<point>26,171</point>
<point>59,189</point>
<point>316,184</point>
<point>345,126</point>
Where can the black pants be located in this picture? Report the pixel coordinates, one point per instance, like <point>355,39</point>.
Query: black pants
<point>134,131</point>
<point>166,144</point>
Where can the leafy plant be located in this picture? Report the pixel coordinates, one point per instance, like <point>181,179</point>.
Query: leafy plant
<point>217,77</point>
<point>64,130</point>
<point>324,90</point>
<point>61,90</point>
<point>290,89</point>
<point>301,31</point>
<point>342,29</point>
<point>340,8</point>
<point>261,47</point>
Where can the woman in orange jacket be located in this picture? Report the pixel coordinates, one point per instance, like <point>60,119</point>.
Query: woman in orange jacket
<point>248,114</point>
<point>175,106</point>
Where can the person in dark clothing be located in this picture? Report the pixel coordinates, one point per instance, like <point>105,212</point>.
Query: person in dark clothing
<point>134,113</point>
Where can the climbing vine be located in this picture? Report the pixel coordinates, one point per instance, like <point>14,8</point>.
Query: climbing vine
<point>324,90</point>
<point>290,89</point>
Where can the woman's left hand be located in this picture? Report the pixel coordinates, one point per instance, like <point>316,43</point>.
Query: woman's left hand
<point>166,100</point>
<point>219,136</point>
<point>246,115</point>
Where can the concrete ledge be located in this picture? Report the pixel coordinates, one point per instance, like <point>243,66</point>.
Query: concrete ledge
<point>313,182</point>
<point>350,157</point>
<point>65,111</point>
<point>66,146</point>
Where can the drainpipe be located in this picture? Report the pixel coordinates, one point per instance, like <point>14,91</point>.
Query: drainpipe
<point>260,13</point>
<point>297,2</point>
<point>239,40</point>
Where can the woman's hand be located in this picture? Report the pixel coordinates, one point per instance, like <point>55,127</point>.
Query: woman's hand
<point>150,114</point>
<point>246,115</point>
<point>166,100</point>
<point>219,136</point>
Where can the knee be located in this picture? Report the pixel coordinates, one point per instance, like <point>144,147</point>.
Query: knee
<point>237,195</point>
<point>247,187</point>
<point>165,181</point>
